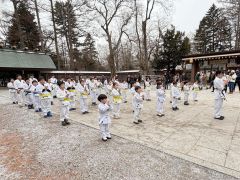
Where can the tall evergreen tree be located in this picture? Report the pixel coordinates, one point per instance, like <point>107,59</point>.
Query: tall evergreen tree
<point>67,26</point>
<point>214,32</point>
<point>89,54</point>
<point>29,30</point>
<point>175,46</point>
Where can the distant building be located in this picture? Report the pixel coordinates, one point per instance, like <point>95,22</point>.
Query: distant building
<point>14,62</point>
<point>213,61</point>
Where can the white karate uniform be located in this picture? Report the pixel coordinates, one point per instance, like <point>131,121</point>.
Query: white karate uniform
<point>132,91</point>
<point>117,100</point>
<point>83,90</point>
<point>124,89</point>
<point>54,86</point>
<point>45,98</point>
<point>20,92</point>
<point>28,94</point>
<point>104,120</point>
<point>160,100</point>
<point>195,91</point>
<point>93,91</point>
<point>12,92</point>
<point>138,105</point>
<point>65,103</point>
<point>36,98</point>
<point>219,97</point>
<point>175,96</point>
<point>186,90</point>
<point>148,90</point>
<point>72,93</point>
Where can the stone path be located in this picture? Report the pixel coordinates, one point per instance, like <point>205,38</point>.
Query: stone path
<point>190,134</point>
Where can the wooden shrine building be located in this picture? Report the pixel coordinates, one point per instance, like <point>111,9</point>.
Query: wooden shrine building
<point>213,61</point>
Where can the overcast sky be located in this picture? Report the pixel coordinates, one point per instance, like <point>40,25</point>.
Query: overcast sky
<point>185,16</point>
<point>188,13</point>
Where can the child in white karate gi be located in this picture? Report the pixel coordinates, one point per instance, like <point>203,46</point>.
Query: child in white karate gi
<point>104,119</point>
<point>63,96</point>
<point>28,94</point>
<point>138,104</point>
<point>93,90</point>
<point>117,100</point>
<point>35,96</point>
<point>124,89</point>
<point>186,91</point>
<point>147,84</point>
<point>196,90</point>
<point>12,91</point>
<point>132,91</point>
<point>175,96</point>
<point>160,99</point>
<point>45,97</point>
<point>83,91</point>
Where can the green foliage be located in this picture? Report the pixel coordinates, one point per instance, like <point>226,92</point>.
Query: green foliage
<point>169,55</point>
<point>29,29</point>
<point>214,32</point>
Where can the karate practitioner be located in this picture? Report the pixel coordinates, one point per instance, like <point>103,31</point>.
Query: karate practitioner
<point>70,87</point>
<point>117,100</point>
<point>63,96</point>
<point>19,84</point>
<point>196,90</point>
<point>104,119</point>
<point>93,91</point>
<point>186,91</point>
<point>124,89</point>
<point>53,81</point>
<point>35,96</point>
<point>12,91</point>
<point>138,104</point>
<point>83,91</point>
<point>148,89</point>
<point>28,94</point>
<point>45,97</point>
<point>175,96</point>
<point>219,95</point>
<point>160,99</point>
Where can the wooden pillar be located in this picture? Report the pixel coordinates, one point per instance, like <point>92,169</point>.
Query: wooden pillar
<point>195,69</point>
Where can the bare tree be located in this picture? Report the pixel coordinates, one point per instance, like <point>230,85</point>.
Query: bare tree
<point>108,11</point>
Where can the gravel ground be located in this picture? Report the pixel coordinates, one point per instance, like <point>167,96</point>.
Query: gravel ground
<point>35,148</point>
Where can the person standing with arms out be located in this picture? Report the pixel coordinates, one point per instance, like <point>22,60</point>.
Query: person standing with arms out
<point>12,91</point>
<point>104,120</point>
<point>160,99</point>
<point>53,81</point>
<point>219,95</point>
<point>19,84</point>
<point>63,96</point>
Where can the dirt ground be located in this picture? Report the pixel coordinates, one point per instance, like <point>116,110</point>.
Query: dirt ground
<point>35,148</point>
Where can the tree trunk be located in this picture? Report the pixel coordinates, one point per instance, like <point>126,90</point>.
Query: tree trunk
<point>39,24</point>
<point>144,30</point>
<point>55,36</point>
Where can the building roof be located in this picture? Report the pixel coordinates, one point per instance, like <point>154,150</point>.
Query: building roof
<point>214,55</point>
<point>25,60</point>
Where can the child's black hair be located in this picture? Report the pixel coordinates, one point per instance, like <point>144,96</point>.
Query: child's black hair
<point>34,81</point>
<point>102,97</point>
<point>137,88</point>
<point>60,83</point>
<point>41,78</point>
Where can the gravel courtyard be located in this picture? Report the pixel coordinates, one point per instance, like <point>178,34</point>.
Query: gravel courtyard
<point>34,148</point>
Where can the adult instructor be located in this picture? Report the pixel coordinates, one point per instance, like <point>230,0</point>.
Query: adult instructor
<point>219,95</point>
